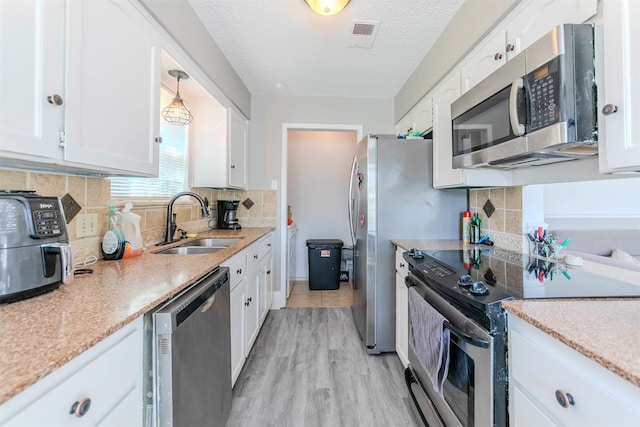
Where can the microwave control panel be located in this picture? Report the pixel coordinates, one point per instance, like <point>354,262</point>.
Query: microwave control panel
<point>543,93</point>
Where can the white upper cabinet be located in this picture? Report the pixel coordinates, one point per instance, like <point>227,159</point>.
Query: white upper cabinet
<point>31,52</point>
<point>423,114</point>
<point>619,91</point>
<point>218,147</point>
<point>488,58</point>
<point>238,139</point>
<point>113,88</point>
<point>443,173</point>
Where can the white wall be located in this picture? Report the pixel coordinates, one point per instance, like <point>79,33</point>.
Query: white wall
<point>318,165</point>
<point>593,204</point>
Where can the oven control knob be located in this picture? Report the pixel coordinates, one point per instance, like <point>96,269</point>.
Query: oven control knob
<point>465,280</point>
<point>478,289</point>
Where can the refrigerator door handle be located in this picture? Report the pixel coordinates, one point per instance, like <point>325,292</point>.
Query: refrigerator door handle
<point>351,199</point>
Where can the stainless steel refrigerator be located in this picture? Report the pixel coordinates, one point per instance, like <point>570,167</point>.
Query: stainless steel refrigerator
<point>391,196</point>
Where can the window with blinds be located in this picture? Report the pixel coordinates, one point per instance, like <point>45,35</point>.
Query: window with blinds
<point>172,176</point>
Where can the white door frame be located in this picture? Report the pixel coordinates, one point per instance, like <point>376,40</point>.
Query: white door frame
<point>280,298</point>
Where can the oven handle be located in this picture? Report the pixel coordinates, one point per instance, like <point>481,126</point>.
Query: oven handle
<point>476,342</point>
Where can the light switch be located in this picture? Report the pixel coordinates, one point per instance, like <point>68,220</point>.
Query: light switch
<point>86,225</point>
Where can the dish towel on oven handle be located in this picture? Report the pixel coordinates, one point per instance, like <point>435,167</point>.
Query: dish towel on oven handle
<point>429,339</point>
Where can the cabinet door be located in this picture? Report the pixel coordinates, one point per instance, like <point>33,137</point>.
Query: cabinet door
<point>537,18</point>
<point>485,61</point>
<point>402,320</point>
<point>31,50</point>
<point>404,125</point>
<point>238,138</point>
<point>443,173</point>
<point>266,286</point>
<point>113,86</point>
<point>423,114</point>
<point>252,310</point>
<point>620,140</point>
<point>237,310</point>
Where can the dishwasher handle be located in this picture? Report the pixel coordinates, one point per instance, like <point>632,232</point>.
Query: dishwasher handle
<point>208,303</point>
<point>199,296</point>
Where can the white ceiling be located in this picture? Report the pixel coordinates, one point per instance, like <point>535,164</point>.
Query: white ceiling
<point>281,47</point>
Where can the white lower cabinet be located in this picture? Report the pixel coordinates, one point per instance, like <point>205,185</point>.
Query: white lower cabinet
<point>102,386</point>
<point>552,384</point>
<point>251,297</point>
<point>402,309</point>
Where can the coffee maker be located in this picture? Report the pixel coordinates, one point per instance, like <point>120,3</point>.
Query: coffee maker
<point>228,214</point>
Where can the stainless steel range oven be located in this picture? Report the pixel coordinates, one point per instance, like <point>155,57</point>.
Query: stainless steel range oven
<point>463,291</point>
<point>470,380</point>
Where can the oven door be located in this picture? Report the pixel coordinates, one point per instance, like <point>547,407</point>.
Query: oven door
<point>468,390</point>
<point>488,121</point>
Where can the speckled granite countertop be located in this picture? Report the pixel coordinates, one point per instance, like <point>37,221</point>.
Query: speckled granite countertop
<point>605,330</point>
<point>41,334</point>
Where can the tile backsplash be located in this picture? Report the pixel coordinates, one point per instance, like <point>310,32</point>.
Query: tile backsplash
<point>504,226</point>
<point>94,193</point>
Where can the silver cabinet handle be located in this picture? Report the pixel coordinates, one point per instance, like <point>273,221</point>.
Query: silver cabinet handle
<point>233,166</point>
<point>158,139</point>
<point>609,109</point>
<point>402,265</point>
<point>564,399</point>
<point>497,56</point>
<point>239,271</point>
<point>510,48</point>
<point>81,407</point>
<point>55,99</point>
<point>255,256</point>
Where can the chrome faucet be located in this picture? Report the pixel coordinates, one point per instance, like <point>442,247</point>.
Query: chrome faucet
<point>171,217</point>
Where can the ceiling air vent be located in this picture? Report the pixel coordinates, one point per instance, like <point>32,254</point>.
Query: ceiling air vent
<point>363,33</point>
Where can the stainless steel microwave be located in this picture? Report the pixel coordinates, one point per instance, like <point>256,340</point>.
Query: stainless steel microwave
<point>538,108</point>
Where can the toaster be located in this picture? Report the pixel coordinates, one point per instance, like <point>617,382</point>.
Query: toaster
<point>35,256</point>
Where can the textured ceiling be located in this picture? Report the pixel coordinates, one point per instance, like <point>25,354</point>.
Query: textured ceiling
<point>281,47</point>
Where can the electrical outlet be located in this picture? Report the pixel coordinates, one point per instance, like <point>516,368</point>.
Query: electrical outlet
<point>86,225</point>
<point>274,184</point>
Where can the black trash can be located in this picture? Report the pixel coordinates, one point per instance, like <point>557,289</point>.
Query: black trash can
<point>324,263</point>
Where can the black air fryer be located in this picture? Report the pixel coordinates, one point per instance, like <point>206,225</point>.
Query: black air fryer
<point>227,214</point>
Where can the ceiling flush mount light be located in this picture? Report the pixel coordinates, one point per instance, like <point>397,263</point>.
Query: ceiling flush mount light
<point>177,113</point>
<point>327,7</point>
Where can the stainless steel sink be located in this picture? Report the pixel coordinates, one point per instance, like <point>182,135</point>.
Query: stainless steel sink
<point>212,242</point>
<point>186,250</point>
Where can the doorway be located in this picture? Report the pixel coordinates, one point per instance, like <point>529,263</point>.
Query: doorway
<point>316,171</point>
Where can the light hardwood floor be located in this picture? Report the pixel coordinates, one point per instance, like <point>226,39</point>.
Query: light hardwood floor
<point>309,368</point>
<point>302,296</point>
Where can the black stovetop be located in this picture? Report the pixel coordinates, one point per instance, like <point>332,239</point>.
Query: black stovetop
<point>507,274</point>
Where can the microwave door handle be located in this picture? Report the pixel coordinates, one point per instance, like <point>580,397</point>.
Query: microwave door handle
<point>476,342</point>
<point>516,126</point>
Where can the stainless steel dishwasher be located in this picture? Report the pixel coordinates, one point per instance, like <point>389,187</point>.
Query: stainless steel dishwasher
<point>192,353</point>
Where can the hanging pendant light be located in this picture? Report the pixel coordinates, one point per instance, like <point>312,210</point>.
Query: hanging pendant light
<point>177,113</point>
<point>327,7</point>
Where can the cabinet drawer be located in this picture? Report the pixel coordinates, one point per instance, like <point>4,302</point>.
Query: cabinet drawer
<point>402,267</point>
<point>237,269</point>
<point>266,245</point>
<point>112,380</point>
<point>544,367</point>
